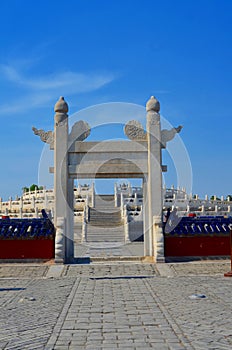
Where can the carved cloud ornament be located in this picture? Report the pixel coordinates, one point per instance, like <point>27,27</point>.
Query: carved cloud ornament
<point>134,131</point>
<point>80,131</point>
<point>168,135</point>
<point>45,136</point>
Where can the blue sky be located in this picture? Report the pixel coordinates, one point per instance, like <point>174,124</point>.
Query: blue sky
<point>102,51</point>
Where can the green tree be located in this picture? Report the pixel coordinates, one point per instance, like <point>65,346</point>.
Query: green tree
<point>213,199</point>
<point>34,187</point>
<point>25,189</point>
<point>229,197</point>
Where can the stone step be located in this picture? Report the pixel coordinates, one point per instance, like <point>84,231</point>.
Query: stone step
<point>101,234</point>
<point>105,218</point>
<point>113,229</point>
<point>108,225</point>
<point>105,221</point>
<point>95,213</point>
<point>125,259</point>
<point>105,197</point>
<point>104,201</point>
<point>105,239</point>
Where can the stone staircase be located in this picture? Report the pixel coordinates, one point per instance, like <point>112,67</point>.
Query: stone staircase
<point>105,222</point>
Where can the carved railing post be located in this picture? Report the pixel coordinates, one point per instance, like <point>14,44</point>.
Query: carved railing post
<point>93,195</point>
<point>203,209</point>
<point>115,195</point>
<point>121,201</point>
<point>84,231</point>
<point>126,224</point>
<point>59,241</point>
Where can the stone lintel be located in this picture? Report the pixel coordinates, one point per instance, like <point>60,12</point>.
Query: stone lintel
<point>107,170</point>
<point>109,146</point>
<point>84,175</point>
<point>80,146</point>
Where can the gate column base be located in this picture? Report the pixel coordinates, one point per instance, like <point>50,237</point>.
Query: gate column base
<point>59,240</point>
<point>158,239</point>
<point>148,259</point>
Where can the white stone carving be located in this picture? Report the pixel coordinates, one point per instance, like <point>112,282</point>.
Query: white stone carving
<point>84,232</point>
<point>153,118</point>
<point>168,135</point>
<point>158,238</point>
<point>45,136</point>
<point>153,105</point>
<point>59,241</point>
<point>80,131</point>
<point>134,131</point>
<point>61,106</point>
<point>61,110</point>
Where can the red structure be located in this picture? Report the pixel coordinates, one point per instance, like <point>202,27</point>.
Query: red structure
<point>27,239</point>
<point>197,236</point>
<point>197,246</point>
<point>27,249</point>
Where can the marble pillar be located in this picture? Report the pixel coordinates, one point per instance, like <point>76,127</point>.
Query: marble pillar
<point>155,201</point>
<point>61,168</point>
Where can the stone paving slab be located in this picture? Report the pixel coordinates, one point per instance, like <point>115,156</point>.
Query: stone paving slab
<point>118,312</point>
<point>29,310</point>
<point>200,268</point>
<point>205,322</point>
<point>107,249</point>
<point>117,306</point>
<point>23,270</point>
<point>110,270</point>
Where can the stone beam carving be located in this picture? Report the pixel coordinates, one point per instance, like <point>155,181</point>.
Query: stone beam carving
<point>80,131</point>
<point>134,131</point>
<point>45,136</point>
<point>168,135</point>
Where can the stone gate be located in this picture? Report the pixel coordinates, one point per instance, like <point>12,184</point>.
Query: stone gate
<point>138,157</point>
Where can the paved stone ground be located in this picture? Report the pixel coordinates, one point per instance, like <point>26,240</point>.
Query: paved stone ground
<point>116,306</point>
<point>109,249</point>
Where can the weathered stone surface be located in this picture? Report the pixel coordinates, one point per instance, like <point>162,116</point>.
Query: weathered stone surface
<point>117,306</point>
<point>61,110</point>
<point>152,105</point>
<point>80,131</point>
<point>61,106</point>
<point>45,136</point>
<point>134,131</point>
<point>168,135</point>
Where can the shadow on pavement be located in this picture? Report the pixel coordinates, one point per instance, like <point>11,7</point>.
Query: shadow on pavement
<point>120,277</point>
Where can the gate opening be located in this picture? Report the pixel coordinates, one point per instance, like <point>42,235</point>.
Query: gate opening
<point>111,225</point>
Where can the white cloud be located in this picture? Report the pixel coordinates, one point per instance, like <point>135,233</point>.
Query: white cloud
<point>38,91</point>
<point>77,82</point>
<point>27,102</point>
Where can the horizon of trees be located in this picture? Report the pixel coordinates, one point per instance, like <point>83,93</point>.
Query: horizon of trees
<point>32,188</point>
